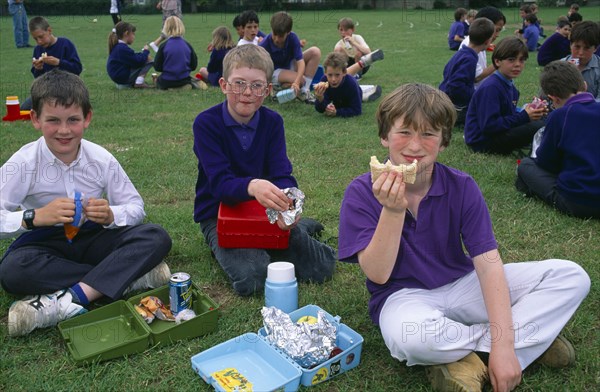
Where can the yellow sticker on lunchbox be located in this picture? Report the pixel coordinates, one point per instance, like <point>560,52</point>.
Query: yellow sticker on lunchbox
<point>232,380</point>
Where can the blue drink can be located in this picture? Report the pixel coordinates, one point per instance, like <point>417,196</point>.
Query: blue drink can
<point>180,292</point>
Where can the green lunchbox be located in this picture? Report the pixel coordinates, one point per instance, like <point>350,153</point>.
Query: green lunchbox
<point>117,329</point>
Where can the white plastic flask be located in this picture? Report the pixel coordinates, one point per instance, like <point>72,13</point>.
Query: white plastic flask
<point>281,287</point>
<point>286,95</point>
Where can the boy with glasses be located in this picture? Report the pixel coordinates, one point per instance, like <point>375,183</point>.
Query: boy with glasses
<point>241,151</point>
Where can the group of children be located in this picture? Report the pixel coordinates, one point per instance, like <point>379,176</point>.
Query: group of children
<point>175,59</point>
<point>422,283</point>
<point>493,123</point>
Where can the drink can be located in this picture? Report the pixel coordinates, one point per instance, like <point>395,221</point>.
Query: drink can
<point>180,292</point>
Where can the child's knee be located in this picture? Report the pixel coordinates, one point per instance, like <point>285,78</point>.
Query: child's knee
<point>574,275</point>
<point>159,236</point>
<point>12,275</point>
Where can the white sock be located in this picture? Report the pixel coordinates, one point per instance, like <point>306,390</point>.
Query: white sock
<point>139,80</point>
<point>307,83</point>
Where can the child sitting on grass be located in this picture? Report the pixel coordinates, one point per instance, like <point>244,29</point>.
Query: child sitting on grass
<point>220,45</point>
<point>175,58</point>
<point>352,45</point>
<point>456,34</point>
<point>566,171</point>
<point>51,52</point>
<point>112,253</point>
<point>125,67</point>
<point>531,33</point>
<point>499,20</point>
<point>585,38</point>
<point>241,151</point>
<point>557,45</point>
<point>459,73</point>
<point>440,293</point>
<point>338,94</point>
<point>293,67</point>
<point>249,21</point>
<point>493,124</point>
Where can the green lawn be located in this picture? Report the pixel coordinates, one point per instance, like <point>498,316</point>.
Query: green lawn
<point>150,134</point>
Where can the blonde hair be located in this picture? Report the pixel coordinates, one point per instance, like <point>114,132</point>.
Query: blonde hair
<point>173,27</point>
<point>221,38</point>
<point>250,56</point>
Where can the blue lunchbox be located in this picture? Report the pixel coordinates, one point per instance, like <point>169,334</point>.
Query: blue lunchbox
<point>249,362</point>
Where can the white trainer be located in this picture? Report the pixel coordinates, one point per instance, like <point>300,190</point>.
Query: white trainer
<point>157,277</point>
<point>41,311</point>
<point>369,59</point>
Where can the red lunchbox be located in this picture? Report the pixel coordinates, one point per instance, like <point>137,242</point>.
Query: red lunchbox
<point>245,225</point>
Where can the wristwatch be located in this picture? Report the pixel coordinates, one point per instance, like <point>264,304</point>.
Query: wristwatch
<point>28,217</point>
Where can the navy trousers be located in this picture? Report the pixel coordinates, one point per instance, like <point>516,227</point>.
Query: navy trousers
<point>106,260</point>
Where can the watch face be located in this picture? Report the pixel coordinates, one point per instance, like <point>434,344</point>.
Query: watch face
<point>28,217</point>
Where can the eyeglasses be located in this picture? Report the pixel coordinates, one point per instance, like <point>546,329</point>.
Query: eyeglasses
<point>240,86</point>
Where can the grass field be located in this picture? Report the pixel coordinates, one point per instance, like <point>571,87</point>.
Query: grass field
<point>150,134</point>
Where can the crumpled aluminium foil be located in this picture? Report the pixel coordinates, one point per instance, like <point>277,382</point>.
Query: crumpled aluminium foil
<point>307,344</point>
<point>289,216</point>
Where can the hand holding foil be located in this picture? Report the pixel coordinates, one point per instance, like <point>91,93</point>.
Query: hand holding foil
<point>289,217</point>
<point>307,344</point>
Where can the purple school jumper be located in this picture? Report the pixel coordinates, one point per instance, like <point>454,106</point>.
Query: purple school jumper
<point>225,168</point>
<point>554,47</point>
<point>493,110</point>
<point>62,49</point>
<point>347,98</point>
<point>571,148</point>
<point>456,28</point>
<point>459,76</point>
<point>452,214</point>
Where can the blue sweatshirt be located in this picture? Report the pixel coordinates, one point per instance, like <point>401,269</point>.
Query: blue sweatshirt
<point>459,77</point>
<point>492,111</point>
<point>65,51</point>
<point>122,60</point>
<point>456,28</point>
<point>532,35</point>
<point>215,65</point>
<point>570,148</point>
<point>175,59</point>
<point>347,98</point>
<point>554,47</point>
<point>225,169</point>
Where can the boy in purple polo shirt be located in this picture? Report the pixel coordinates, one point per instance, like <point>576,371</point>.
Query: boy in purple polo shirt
<point>241,151</point>
<point>466,316</point>
<point>293,67</point>
<point>566,170</point>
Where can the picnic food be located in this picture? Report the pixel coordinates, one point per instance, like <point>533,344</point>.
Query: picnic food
<point>322,84</point>
<point>409,172</point>
<point>537,103</point>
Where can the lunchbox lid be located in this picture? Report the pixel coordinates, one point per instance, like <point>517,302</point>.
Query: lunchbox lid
<point>246,362</point>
